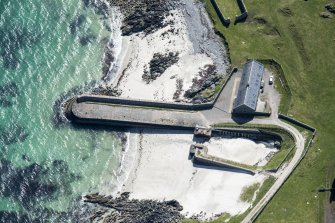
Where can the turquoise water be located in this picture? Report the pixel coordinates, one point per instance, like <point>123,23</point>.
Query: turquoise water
<point>42,57</point>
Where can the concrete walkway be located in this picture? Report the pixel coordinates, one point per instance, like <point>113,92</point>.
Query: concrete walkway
<point>99,113</point>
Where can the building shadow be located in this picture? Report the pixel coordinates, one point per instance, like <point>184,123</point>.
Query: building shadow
<point>242,119</point>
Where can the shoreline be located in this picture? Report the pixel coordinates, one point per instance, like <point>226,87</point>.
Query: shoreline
<point>201,56</point>
<point>197,47</point>
<point>162,171</point>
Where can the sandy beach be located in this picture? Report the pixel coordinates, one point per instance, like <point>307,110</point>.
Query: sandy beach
<point>163,64</point>
<point>163,171</point>
<point>240,150</point>
<point>187,32</point>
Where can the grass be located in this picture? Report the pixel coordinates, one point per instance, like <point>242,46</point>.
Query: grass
<point>304,47</point>
<point>248,192</point>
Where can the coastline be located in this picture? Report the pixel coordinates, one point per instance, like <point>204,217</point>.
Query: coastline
<point>204,193</point>
<point>201,58</point>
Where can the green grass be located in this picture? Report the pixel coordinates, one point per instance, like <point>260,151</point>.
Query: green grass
<point>248,192</point>
<point>304,47</point>
<point>280,158</point>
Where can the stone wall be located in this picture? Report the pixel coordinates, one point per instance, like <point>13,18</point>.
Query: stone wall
<point>224,21</point>
<point>298,123</point>
<point>253,134</point>
<point>244,12</point>
<point>200,160</point>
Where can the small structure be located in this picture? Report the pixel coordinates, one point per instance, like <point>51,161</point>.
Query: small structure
<point>195,147</point>
<point>202,131</point>
<point>247,96</point>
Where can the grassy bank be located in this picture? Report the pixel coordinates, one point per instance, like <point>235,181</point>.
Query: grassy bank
<point>294,35</point>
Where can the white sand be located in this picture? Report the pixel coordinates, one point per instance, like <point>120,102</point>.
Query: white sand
<point>138,50</point>
<point>240,150</point>
<point>164,171</point>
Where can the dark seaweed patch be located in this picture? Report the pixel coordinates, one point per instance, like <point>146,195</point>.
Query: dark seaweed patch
<point>12,40</point>
<point>34,181</point>
<point>100,7</point>
<point>76,23</point>
<point>10,89</point>
<point>12,134</point>
<point>14,217</point>
<point>40,215</point>
<point>85,40</point>
<point>7,93</point>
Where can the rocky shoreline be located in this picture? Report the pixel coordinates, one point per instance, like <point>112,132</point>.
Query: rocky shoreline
<point>145,17</point>
<point>195,49</point>
<point>124,210</point>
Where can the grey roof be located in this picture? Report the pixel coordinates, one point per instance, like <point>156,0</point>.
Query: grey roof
<point>250,85</point>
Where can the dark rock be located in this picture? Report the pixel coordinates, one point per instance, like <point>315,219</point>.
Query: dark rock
<point>158,65</point>
<point>145,16</point>
<point>124,210</point>
<point>207,78</point>
<point>330,8</point>
<point>106,90</point>
<point>175,203</point>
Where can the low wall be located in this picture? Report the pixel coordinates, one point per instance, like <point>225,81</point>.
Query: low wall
<point>298,123</point>
<point>212,163</point>
<point>142,103</point>
<point>223,20</point>
<point>244,12</point>
<point>155,104</point>
<point>254,134</point>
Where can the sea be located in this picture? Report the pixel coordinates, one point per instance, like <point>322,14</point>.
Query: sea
<point>51,50</point>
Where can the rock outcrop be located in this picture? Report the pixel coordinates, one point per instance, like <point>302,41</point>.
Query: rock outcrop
<point>125,210</point>
<point>158,65</point>
<point>144,16</point>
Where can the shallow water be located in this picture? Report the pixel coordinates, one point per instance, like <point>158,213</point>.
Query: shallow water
<point>49,48</point>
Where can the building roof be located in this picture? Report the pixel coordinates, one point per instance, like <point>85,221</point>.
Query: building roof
<point>250,85</point>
